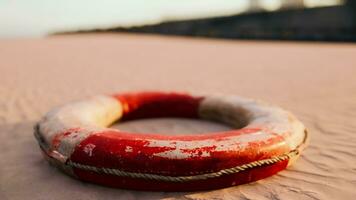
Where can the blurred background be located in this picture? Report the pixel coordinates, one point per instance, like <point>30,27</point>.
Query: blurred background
<point>316,20</point>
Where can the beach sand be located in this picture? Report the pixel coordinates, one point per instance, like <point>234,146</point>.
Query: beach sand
<point>316,81</point>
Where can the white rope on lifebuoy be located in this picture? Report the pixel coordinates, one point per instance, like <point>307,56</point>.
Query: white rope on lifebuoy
<point>156,177</point>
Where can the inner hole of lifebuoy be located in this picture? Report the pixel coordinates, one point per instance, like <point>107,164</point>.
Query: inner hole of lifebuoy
<point>177,113</point>
<point>171,126</point>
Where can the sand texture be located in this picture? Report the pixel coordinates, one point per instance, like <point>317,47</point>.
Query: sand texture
<point>316,81</point>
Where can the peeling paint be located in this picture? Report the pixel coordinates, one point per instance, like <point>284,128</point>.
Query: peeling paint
<point>128,149</point>
<point>88,149</point>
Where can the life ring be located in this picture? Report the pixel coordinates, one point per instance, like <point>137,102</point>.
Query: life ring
<point>75,137</point>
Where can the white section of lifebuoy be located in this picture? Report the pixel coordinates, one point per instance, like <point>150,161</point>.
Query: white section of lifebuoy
<point>89,115</point>
<point>240,112</point>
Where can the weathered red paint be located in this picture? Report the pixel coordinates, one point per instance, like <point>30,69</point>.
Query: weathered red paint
<point>111,152</point>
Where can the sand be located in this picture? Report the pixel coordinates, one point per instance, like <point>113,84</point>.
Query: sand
<point>316,81</point>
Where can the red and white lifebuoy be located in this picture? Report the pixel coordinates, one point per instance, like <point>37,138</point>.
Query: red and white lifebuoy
<point>76,139</point>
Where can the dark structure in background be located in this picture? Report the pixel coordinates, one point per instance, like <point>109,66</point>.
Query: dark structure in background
<point>337,23</point>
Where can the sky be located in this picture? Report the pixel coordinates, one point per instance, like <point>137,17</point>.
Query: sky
<point>36,18</point>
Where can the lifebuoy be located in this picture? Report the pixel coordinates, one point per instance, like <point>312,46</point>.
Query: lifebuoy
<point>75,138</point>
